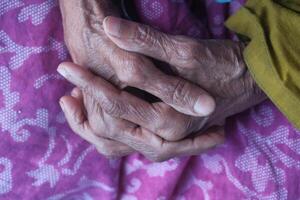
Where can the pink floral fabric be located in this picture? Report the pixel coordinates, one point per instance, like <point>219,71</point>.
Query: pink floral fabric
<point>40,157</point>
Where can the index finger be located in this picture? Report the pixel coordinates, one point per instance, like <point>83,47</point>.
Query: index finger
<point>123,105</point>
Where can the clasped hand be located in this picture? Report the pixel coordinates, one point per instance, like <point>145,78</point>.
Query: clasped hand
<point>211,83</point>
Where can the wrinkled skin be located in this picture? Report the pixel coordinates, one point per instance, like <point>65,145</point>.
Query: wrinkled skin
<point>114,137</point>
<point>90,47</point>
<point>97,52</point>
<point>216,66</point>
<point>85,37</point>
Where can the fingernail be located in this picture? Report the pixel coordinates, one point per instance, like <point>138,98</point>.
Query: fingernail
<point>205,105</point>
<point>62,70</point>
<point>112,26</point>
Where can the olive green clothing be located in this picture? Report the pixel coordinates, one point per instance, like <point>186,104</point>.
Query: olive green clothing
<point>273,52</point>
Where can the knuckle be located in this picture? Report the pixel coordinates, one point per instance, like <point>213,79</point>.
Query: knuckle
<point>166,44</point>
<point>113,107</point>
<point>186,52</point>
<point>181,129</point>
<point>144,36</point>
<point>89,85</point>
<point>78,117</point>
<point>175,129</point>
<point>180,94</point>
<point>132,73</point>
<point>148,38</point>
<point>168,123</point>
<point>162,112</point>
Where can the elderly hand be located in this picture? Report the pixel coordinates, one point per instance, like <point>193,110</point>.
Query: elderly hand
<point>215,65</point>
<point>91,115</point>
<point>85,38</point>
<point>224,75</point>
<point>90,46</point>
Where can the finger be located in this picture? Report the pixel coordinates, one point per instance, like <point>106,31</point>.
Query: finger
<point>112,149</point>
<point>179,51</point>
<point>77,94</point>
<point>138,71</point>
<point>157,149</point>
<point>182,95</point>
<point>140,139</point>
<point>74,114</point>
<point>78,123</point>
<point>191,146</point>
<point>123,105</point>
<point>202,141</point>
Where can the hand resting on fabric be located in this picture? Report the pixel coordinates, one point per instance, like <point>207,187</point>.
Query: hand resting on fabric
<point>91,110</point>
<point>89,46</point>
<point>114,50</point>
<point>215,65</point>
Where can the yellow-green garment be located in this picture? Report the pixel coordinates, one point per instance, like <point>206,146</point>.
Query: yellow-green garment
<point>273,53</point>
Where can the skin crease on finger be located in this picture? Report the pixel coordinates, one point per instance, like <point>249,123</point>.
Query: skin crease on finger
<point>85,37</point>
<point>75,112</point>
<point>124,105</point>
<point>94,49</point>
<point>139,138</point>
<point>215,65</point>
<point>151,146</point>
<point>86,40</point>
<point>220,70</point>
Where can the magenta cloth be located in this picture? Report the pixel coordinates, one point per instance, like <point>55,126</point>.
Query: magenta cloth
<point>40,157</point>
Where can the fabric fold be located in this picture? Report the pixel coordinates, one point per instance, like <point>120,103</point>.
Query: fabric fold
<point>272,54</point>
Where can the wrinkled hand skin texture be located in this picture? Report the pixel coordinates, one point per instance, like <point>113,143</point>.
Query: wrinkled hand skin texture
<point>84,36</point>
<point>220,69</point>
<point>215,65</point>
<point>114,136</point>
<point>89,46</point>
